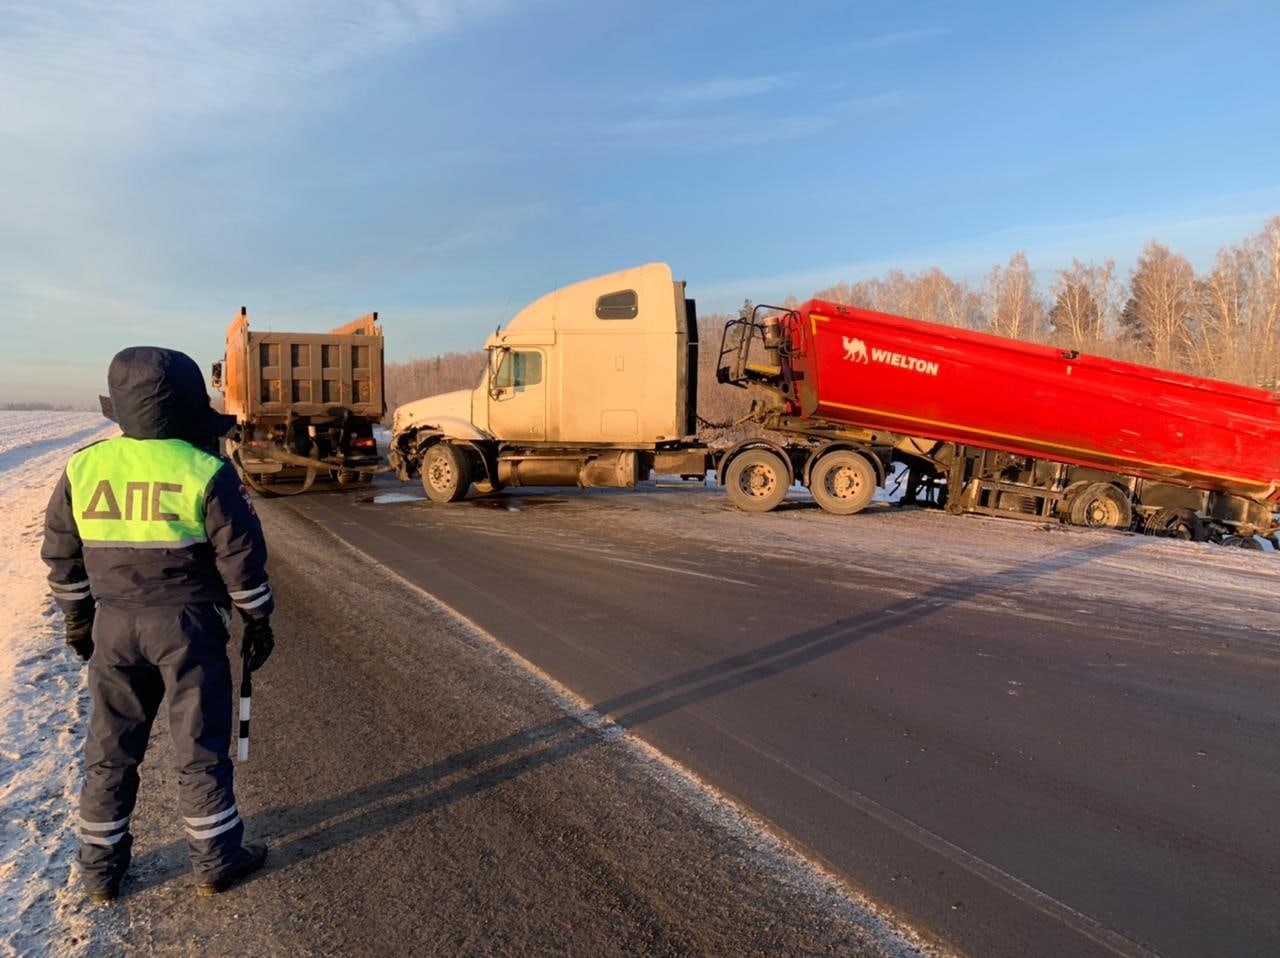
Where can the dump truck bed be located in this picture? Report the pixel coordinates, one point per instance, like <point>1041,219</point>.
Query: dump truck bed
<point>268,375</point>
<point>923,379</point>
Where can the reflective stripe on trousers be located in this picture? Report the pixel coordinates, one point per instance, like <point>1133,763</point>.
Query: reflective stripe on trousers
<point>140,656</point>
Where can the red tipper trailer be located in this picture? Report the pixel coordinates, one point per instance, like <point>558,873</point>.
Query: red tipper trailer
<point>995,426</point>
<point>924,379</point>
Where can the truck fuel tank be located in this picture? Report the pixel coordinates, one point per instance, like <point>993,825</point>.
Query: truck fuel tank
<point>607,469</point>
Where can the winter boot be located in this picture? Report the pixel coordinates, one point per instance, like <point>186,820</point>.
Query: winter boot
<point>103,896</point>
<point>248,860</point>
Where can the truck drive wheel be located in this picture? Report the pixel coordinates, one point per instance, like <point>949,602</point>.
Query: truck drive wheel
<point>1100,505</point>
<point>843,482</point>
<point>446,473</point>
<point>756,480</point>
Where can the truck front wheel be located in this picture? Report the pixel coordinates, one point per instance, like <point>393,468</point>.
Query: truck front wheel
<point>756,480</point>
<point>446,473</point>
<point>843,482</point>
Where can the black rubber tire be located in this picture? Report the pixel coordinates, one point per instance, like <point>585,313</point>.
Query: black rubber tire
<point>1176,524</point>
<point>843,482</point>
<point>756,480</point>
<point>1100,505</point>
<point>446,473</point>
<point>1244,542</point>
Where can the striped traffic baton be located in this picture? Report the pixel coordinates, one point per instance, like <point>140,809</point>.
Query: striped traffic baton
<point>246,696</point>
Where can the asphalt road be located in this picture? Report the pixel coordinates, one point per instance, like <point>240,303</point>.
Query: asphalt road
<point>424,794</point>
<point>1022,740</point>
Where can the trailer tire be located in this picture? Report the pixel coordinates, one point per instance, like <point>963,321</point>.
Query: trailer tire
<point>1176,524</point>
<point>446,472</point>
<point>756,480</point>
<point>843,482</point>
<point>1253,543</point>
<point>1100,505</point>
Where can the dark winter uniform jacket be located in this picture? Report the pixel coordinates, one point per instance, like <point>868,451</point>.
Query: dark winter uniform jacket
<point>150,518</point>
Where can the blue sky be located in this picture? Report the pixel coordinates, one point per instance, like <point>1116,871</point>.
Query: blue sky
<point>444,161</point>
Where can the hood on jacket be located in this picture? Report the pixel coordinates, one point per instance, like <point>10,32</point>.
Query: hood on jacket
<point>160,394</point>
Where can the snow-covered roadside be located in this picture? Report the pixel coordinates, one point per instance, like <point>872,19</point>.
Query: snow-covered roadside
<point>43,695</point>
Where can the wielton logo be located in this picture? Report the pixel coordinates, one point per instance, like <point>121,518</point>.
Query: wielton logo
<point>855,350</point>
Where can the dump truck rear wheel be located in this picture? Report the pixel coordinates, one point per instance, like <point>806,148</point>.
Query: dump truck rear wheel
<point>843,482</point>
<point>756,480</point>
<point>446,473</point>
<point>1101,505</point>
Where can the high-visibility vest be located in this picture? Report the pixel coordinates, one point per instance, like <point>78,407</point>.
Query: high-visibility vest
<point>141,493</point>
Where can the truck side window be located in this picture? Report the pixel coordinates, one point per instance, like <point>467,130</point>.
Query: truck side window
<point>519,368</point>
<point>621,305</point>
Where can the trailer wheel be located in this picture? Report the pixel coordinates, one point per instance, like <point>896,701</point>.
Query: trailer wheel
<point>1254,543</point>
<point>756,480</point>
<point>843,482</point>
<point>1176,524</point>
<point>446,473</point>
<point>1100,505</point>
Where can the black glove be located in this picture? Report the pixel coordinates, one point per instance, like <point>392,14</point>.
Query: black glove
<point>257,644</point>
<point>80,633</point>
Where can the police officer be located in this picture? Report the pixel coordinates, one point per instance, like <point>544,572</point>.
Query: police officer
<point>150,540</point>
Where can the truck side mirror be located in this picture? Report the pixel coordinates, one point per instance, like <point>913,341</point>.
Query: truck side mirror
<point>216,375</point>
<point>500,377</point>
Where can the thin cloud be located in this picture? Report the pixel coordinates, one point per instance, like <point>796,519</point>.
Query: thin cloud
<point>82,70</point>
<point>720,89</point>
<point>716,132</point>
<point>899,38</point>
<point>732,130</point>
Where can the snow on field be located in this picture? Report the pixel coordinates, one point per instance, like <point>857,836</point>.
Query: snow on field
<point>43,695</point>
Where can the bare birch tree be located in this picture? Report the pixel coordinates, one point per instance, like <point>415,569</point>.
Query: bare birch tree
<point>1160,314</point>
<point>1010,300</point>
<point>930,295</point>
<point>1263,332</point>
<point>1084,301</point>
<point>1221,345</point>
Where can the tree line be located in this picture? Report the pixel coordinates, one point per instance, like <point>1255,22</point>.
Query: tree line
<point>1223,323</point>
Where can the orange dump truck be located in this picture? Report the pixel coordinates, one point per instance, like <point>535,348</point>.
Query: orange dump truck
<point>305,404</point>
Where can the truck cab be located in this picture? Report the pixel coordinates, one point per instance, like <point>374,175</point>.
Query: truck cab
<point>574,382</point>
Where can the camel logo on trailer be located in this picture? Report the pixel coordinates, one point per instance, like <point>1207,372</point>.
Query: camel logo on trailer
<point>855,351</point>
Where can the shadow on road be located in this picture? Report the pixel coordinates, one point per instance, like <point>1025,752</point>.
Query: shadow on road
<point>373,808</point>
